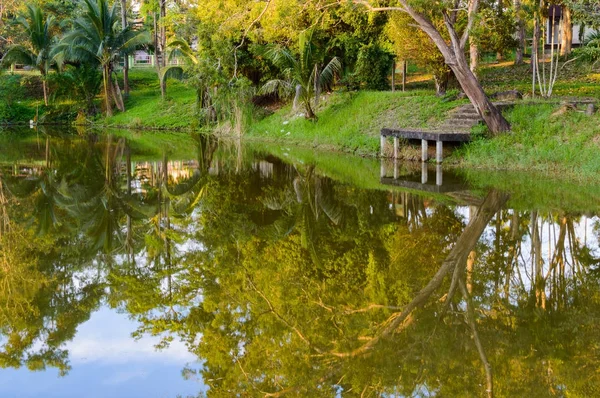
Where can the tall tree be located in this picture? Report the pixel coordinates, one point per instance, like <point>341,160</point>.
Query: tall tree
<point>520,33</point>
<point>453,51</point>
<point>40,40</point>
<point>98,37</point>
<point>566,30</point>
<point>124,24</point>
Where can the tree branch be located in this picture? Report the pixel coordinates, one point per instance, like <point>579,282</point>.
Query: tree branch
<point>458,255</point>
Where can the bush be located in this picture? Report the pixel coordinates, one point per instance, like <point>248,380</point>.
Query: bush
<point>374,67</point>
<point>11,95</point>
<point>80,84</point>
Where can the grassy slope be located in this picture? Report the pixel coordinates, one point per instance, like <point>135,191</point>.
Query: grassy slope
<point>145,108</point>
<point>566,144</point>
<point>352,121</point>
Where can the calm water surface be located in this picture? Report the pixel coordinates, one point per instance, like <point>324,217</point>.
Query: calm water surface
<point>171,267</point>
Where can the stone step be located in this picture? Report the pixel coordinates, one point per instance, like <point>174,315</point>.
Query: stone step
<point>462,116</point>
<point>461,122</point>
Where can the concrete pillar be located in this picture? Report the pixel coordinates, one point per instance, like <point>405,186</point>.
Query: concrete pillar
<point>395,169</point>
<point>424,150</point>
<point>396,147</point>
<point>382,145</point>
<point>424,172</point>
<point>439,148</point>
<point>383,170</point>
<point>438,175</point>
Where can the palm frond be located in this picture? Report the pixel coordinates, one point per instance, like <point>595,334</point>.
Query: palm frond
<point>19,54</point>
<point>281,57</point>
<point>283,88</point>
<point>180,47</point>
<point>171,72</point>
<point>332,69</point>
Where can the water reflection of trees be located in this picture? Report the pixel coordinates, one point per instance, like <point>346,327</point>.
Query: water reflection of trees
<point>285,282</point>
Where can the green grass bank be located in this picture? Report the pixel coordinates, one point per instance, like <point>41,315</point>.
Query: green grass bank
<point>542,139</point>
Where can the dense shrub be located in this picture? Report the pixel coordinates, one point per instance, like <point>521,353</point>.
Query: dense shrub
<point>374,67</point>
<point>11,95</point>
<point>80,84</point>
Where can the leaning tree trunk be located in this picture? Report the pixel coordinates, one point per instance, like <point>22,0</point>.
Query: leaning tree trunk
<point>520,33</point>
<point>567,32</point>
<point>454,56</point>
<point>489,113</point>
<point>126,57</point>
<point>118,97</point>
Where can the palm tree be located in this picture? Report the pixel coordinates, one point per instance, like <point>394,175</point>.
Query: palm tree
<point>177,47</point>
<point>98,37</point>
<point>37,52</point>
<point>301,73</point>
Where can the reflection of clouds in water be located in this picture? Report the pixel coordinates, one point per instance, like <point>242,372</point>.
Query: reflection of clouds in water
<point>124,350</point>
<point>123,377</point>
<point>106,338</point>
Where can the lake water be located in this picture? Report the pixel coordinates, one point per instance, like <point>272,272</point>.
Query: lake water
<point>170,266</point>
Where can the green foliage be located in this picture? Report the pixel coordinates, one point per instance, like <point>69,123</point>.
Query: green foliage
<point>12,97</point>
<point>305,74</point>
<point>412,44</point>
<point>97,39</point>
<point>78,83</point>
<point>374,67</point>
<point>586,12</point>
<point>590,51</point>
<point>494,33</point>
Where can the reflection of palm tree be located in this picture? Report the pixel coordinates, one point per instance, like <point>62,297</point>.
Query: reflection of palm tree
<point>4,217</point>
<point>304,206</point>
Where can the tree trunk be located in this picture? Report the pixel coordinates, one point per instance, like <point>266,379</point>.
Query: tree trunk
<point>454,56</point>
<point>520,33</point>
<point>567,32</point>
<point>473,56</point>
<point>163,87</point>
<point>116,91</point>
<point>106,77</point>
<point>126,62</point>
<point>489,113</point>
<point>404,69</point>
<point>317,85</point>
<point>441,83</point>
<point>310,114</point>
<point>163,31</point>
<point>45,89</point>
<point>499,54</point>
<point>394,76</point>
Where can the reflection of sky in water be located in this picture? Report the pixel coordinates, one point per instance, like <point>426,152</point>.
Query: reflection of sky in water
<point>107,362</point>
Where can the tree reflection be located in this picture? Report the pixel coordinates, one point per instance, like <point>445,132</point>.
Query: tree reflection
<point>286,282</point>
